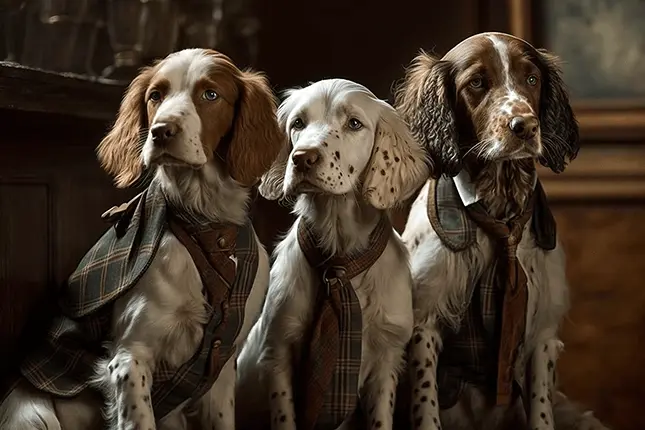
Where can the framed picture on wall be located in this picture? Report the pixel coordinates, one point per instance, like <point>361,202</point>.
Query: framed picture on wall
<point>602,47</point>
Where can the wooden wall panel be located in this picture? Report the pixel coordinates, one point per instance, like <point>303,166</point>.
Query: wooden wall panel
<point>604,331</point>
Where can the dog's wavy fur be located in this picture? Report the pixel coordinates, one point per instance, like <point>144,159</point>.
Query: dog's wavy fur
<point>358,175</point>
<point>222,145</point>
<point>459,108</point>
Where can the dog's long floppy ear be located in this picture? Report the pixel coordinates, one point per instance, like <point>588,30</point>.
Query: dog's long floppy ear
<point>272,183</point>
<point>559,127</point>
<point>120,150</point>
<point>398,166</point>
<point>424,100</point>
<point>257,139</point>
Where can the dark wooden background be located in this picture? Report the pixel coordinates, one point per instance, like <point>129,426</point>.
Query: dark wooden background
<point>52,191</point>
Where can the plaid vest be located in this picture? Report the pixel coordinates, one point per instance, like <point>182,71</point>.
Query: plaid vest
<point>64,364</point>
<point>469,355</point>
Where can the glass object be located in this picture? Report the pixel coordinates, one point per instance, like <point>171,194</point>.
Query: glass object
<point>139,30</point>
<point>60,34</point>
<point>202,23</point>
<point>12,14</point>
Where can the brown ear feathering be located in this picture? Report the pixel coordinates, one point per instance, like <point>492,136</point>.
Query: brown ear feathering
<point>560,134</point>
<point>120,150</point>
<point>257,139</point>
<point>423,99</point>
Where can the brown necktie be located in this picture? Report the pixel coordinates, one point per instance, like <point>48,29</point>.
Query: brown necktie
<point>332,361</point>
<point>513,279</point>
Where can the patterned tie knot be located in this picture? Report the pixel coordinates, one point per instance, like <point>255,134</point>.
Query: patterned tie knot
<point>332,276</point>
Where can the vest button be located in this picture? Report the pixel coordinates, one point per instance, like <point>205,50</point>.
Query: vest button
<point>221,242</point>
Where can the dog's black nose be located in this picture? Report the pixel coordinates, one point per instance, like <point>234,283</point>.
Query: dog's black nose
<point>163,132</point>
<point>305,159</point>
<point>524,126</point>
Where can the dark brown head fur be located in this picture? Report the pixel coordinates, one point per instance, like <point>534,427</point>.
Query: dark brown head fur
<point>493,102</point>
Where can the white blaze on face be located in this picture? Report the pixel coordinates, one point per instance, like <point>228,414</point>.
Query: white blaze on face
<point>182,70</point>
<point>512,97</point>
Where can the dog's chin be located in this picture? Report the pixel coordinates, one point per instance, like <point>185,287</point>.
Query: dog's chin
<point>302,186</point>
<point>166,159</point>
<point>514,149</point>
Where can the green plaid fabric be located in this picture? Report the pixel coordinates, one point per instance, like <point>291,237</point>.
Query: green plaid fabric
<point>329,392</point>
<point>63,365</point>
<point>469,355</point>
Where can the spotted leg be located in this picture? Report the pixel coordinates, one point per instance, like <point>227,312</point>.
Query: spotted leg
<point>218,405</point>
<point>543,384</point>
<point>130,379</point>
<point>378,393</point>
<point>423,353</point>
<point>283,416</point>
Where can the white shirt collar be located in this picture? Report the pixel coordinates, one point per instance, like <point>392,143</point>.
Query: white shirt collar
<point>466,188</point>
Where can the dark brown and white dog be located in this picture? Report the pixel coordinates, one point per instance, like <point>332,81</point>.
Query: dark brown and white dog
<point>487,112</point>
<point>206,131</point>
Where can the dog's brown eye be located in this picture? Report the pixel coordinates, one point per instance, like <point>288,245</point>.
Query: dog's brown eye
<point>298,124</point>
<point>476,83</point>
<point>209,95</point>
<point>354,124</point>
<point>532,80</point>
<point>155,96</point>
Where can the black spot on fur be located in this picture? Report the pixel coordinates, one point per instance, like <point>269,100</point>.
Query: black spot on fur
<point>424,399</point>
<point>541,399</point>
<point>274,395</point>
<point>124,414</point>
<point>331,164</point>
<point>378,425</point>
<point>337,154</point>
<point>143,380</point>
<point>221,415</point>
<point>418,421</point>
<point>351,169</point>
<point>126,377</point>
<point>382,172</point>
<point>420,373</point>
<point>550,365</point>
<point>415,363</point>
<point>433,403</point>
<point>543,415</point>
<point>397,159</point>
<point>426,384</point>
<point>428,345</point>
<point>283,418</point>
<point>417,338</point>
<point>428,362</point>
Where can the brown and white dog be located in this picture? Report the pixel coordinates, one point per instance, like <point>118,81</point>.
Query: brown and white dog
<point>487,112</point>
<point>207,132</point>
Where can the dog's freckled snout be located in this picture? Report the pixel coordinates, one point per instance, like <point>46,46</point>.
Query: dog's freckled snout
<point>304,160</point>
<point>525,126</point>
<point>163,132</point>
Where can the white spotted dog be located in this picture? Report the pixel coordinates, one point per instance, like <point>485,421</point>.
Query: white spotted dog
<point>349,158</point>
<point>490,288</point>
<point>151,321</point>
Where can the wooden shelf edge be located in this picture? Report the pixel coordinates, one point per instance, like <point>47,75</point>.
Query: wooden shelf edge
<point>33,90</point>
